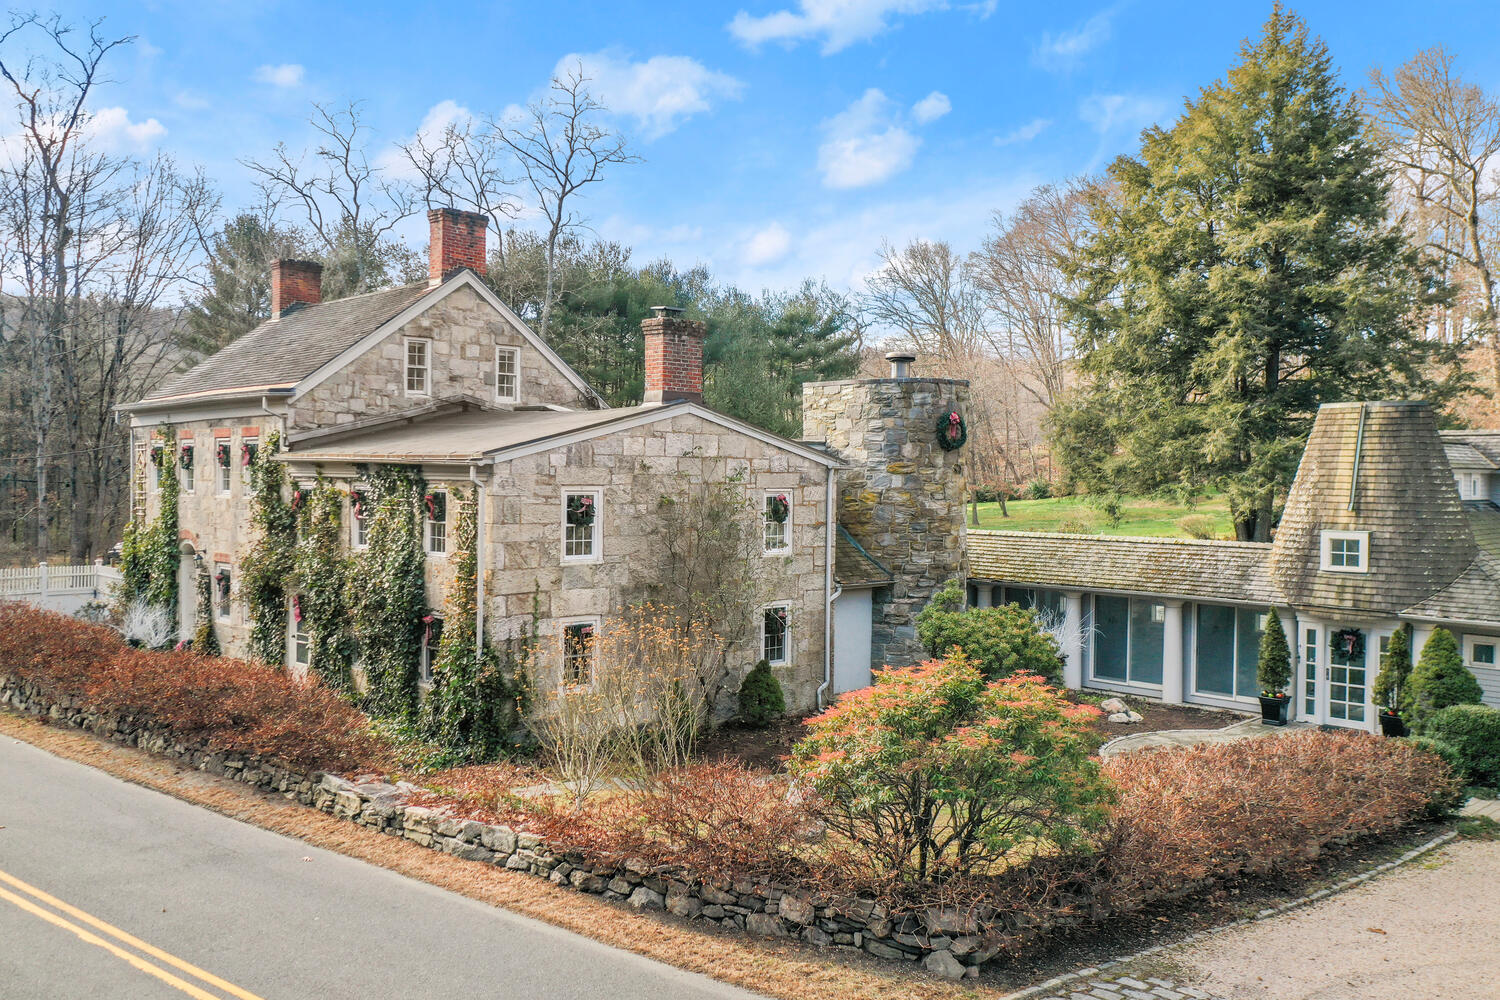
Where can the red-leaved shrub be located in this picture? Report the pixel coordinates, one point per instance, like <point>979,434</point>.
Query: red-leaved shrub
<point>1185,817</point>
<point>226,705</point>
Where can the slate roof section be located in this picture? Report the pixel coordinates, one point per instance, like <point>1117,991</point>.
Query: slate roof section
<point>282,352</point>
<point>853,566</point>
<point>1192,569</point>
<point>1376,467</point>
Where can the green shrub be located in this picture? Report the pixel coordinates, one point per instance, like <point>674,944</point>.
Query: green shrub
<point>1076,526</point>
<point>1110,506</point>
<point>934,771</point>
<point>1445,800</point>
<point>1038,489</point>
<point>1441,679</point>
<point>1198,526</point>
<point>1474,732</point>
<point>999,641</point>
<point>1393,683</point>
<point>761,700</point>
<point>1274,669</point>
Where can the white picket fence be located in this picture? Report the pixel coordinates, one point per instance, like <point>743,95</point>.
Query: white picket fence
<point>58,588</point>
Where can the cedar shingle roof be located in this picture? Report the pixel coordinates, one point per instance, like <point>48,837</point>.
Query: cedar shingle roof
<point>1462,455</point>
<point>1236,572</point>
<point>1473,597</point>
<point>1484,519</point>
<point>1487,443</point>
<point>282,352</point>
<point>1375,467</point>
<point>853,566</point>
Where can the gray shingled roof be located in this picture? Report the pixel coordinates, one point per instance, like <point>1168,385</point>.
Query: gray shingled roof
<point>1375,467</point>
<point>1473,597</point>
<point>1487,443</point>
<point>853,566</point>
<point>1194,569</point>
<point>1462,455</point>
<point>282,352</point>
<point>1484,519</point>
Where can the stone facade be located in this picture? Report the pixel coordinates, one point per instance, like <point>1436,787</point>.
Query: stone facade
<point>903,497</point>
<point>463,331</point>
<point>632,469</point>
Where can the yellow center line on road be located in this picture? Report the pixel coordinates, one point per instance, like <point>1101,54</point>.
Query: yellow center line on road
<point>189,988</point>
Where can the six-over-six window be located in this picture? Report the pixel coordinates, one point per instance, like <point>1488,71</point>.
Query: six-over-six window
<point>580,525</point>
<point>776,633</point>
<point>578,652</point>
<point>436,532</point>
<point>507,375</point>
<point>418,368</point>
<point>776,522</point>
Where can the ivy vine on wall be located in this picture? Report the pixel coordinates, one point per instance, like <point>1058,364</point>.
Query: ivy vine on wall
<point>322,574</point>
<point>204,639</point>
<point>272,557</point>
<point>387,591</point>
<point>157,553</point>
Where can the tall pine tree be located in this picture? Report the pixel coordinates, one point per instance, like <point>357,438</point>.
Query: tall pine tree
<point>1243,271</point>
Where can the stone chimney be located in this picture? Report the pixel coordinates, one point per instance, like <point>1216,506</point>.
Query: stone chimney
<point>295,282</point>
<point>674,356</point>
<point>457,241</point>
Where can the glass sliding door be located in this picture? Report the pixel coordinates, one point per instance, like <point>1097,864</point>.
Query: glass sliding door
<point>1226,650</point>
<point>1147,625</point>
<point>1128,639</point>
<point>1111,638</point>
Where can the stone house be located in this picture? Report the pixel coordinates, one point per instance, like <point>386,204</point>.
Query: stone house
<point>1375,535</point>
<point>441,375</point>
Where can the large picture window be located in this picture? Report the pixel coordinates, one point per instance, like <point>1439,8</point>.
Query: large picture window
<point>1128,639</point>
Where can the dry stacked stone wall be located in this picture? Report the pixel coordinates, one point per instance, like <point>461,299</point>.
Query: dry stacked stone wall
<point>903,497</point>
<point>946,942</point>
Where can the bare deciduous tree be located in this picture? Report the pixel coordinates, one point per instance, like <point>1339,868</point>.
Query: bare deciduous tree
<point>562,148</point>
<point>466,166</point>
<point>1442,137</point>
<point>926,292</point>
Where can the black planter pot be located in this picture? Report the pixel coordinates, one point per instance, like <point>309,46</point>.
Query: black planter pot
<point>1391,724</point>
<point>1273,711</point>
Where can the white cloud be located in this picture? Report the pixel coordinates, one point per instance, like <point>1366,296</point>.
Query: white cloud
<point>865,143</point>
<point>767,246</point>
<point>285,76</point>
<point>1110,112</point>
<point>660,93</point>
<point>932,107</point>
<point>840,23</point>
<point>1025,133</point>
<point>435,122</point>
<point>1064,50</point>
<point>113,129</point>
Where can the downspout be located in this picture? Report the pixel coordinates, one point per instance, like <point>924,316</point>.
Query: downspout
<point>479,495</point>
<point>832,593</point>
<point>280,418</point>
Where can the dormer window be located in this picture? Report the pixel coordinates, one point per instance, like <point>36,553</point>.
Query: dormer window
<point>418,369</point>
<point>1346,551</point>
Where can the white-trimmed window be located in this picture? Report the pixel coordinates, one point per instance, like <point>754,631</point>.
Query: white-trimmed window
<point>776,522</point>
<point>507,375</point>
<point>436,532</point>
<point>360,516</point>
<point>776,633</point>
<point>1482,651</point>
<point>189,467</point>
<point>418,366</point>
<point>140,483</point>
<point>578,651</point>
<point>249,447</point>
<point>221,589</point>
<point>580,525</point>
<point>223,459</point>
<point>1346,551</point>
<point>432,636</point>
<point>300,643</point>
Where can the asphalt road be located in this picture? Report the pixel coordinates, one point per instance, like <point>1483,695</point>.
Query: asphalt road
<point>110,890</point>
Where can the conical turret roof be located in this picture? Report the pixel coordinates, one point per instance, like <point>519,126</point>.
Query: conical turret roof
<point>1377,467</point>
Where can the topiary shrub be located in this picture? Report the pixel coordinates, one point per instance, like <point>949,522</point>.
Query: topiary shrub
<point>1474,733</point>
<point>999,641</point>
<point>1274,669</point>
<point>1441,679</point>
<point>1393,683</point>
<point>761,698</point>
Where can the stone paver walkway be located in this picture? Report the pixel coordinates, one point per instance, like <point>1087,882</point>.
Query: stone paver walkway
<point>1482,807</point>
<point>1126,988</point>
<point>1244,730</point>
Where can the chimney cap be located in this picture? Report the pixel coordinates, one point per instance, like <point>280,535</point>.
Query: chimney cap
<point>666,312</point>
<point>900,356</point>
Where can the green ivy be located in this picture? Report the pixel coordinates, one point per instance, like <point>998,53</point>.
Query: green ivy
<point>387,590</point>
<point>322,574</point>
<point>161,552</point>
<point>204,639</point>
<point>272,557</point>
<point>473,702</point>
<point>135,567</point>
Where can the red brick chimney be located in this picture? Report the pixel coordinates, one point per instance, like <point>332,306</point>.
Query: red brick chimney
<point>293,282</point>
<point>674,356</point>
<point>457,241</point>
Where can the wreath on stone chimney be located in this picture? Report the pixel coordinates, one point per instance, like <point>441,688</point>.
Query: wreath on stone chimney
<point>581,511</point>
<point>952,432</point>
<point>779,508</point>
<point>221,451</point>
<point>185,456</point>
<point>1350,642</point>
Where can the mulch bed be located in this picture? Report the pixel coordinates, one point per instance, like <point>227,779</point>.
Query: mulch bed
<point>759,748</point>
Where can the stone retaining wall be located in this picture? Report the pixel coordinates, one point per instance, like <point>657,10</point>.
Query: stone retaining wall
<point>946,942</point>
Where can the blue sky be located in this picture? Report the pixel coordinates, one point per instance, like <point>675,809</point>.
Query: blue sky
<point>780,140</point>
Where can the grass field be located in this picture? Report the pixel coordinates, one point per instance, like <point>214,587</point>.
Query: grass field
<point>1141,516</point>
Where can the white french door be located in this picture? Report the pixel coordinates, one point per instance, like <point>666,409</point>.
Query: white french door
<point>1337,670</point>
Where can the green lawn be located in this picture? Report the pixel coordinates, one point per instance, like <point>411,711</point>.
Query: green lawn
<point>1139,516</point>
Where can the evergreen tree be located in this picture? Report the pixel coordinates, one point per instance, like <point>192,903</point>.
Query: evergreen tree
<point>1393,683</point>
<point>239,282</point>
<point>1243,270</point>
<point>1441,679</point>
<point>1274,669</point>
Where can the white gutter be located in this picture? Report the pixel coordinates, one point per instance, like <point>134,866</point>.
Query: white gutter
<point>479,495</point>
<point>830,591</point>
